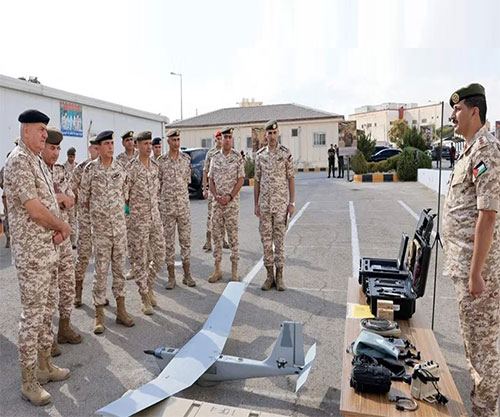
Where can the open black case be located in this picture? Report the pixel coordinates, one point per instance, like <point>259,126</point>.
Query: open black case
<point>401,280</point>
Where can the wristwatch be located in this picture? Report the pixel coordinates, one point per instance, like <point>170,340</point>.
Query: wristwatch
<point>291,203</point>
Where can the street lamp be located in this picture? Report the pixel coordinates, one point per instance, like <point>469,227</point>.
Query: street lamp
<point>180,75</point>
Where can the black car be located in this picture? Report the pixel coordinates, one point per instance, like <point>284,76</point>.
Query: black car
<point>197,162</point>
<point>378,148</point>
<point>384,154</point>
<point>445,152</point>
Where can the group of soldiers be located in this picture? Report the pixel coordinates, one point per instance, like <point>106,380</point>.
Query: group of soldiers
<point>133,204</point>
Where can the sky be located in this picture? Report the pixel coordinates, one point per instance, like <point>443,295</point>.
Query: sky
<point>333,55</point>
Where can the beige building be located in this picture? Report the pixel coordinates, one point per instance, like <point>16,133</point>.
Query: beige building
<point>307,132</point>
<point>379,119</point>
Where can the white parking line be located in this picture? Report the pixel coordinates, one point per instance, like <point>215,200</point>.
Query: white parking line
<point>354,241</point>
<point>415,215</point>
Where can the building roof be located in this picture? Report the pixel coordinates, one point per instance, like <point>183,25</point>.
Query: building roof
<point>257,114</point>
<point>42,90</point>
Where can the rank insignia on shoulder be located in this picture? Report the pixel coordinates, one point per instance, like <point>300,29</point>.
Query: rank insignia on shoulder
<point>479,170</point>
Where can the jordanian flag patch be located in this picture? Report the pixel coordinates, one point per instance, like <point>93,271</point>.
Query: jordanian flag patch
<point>479,170</point>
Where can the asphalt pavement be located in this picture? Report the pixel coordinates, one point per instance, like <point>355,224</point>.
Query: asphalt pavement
<point>320,250</point>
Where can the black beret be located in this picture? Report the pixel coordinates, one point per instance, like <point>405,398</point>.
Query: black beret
<point>227,130</point>
<point>156,141</point>
<point>92,140</point>
<point>33,116</point>
<point>471,90</point>
<point>104,135</point>
<point>144,135</point>
<point>54,135</point>
<point>173,132</point>
<point>128,134</point>
<point>271,125</point>
<point>71,151</point>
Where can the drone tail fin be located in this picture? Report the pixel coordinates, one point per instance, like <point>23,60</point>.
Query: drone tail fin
<point>289,348</point>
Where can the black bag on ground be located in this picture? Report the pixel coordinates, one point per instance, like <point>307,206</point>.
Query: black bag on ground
<point>368,376</point>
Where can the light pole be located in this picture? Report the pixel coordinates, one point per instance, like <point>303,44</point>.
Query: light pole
<point>180,75</point>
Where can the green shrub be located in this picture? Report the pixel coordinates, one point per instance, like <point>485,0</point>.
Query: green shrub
<point>366,144</point>
<point>391,163</point>
<point>249,167</point>
<point>413,138</point>
<point>409,161</point>
<point>359,164</point>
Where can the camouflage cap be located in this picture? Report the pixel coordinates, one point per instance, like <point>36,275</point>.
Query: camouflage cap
<point>156,141</point>
<point>271,125</point>
<point>104,135</point>
<point>128,134</point>
<point>227,130</point>
<point>71,151</point>
<point>471,90</point>
<point>173,132</point>
<point>54,135</point>
<point>144,135</point>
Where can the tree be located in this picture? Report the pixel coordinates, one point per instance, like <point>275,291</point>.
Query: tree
<point>412,137</point>
<point>399,127</point>
<point>448,131</point>
<point>366,144</point>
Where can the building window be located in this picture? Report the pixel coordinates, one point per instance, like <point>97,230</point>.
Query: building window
<point>375,124</point>
<point>319,139</point>
<point>391,123</point>
<point>249,142</point>
<point>424,120</point>
<point>369,125</point>
<point>206,143</point>
<point>413,122</point>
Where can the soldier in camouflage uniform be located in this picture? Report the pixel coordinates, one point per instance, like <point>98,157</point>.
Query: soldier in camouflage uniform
<point>36,230</point>
<point>65,273</point>
<point>69,166</point>
<point>102,190</point>
<point>274,198</point>
<point>226,178</point>
<point>157,150</point>
<point>471,238</point>
<point>147,240</point>
<point>175,175</point>
<point>84,242</point>
<point>5,210</point>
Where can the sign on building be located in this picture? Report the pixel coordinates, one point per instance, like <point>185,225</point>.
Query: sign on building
<point>348,138</point>
<point>71,119</point>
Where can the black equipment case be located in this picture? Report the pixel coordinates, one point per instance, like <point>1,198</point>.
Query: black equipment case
<point>400,280</point>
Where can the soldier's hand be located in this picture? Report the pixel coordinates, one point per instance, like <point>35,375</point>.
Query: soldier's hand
<point>205,194</point>
<point>476,285</point>
<point>291,210</point>
<point>58,238</point>
<point>65,230</point>
<point>257,210</point>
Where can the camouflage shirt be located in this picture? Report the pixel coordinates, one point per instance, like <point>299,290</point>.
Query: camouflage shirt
<point>104,191</point>
<point>175,175</point>
<point>208,158</point>
<point>143,189</point>
<point>69,167</point>
<point>272,171</point>
<point>62,185</point>
<point>226,171</point>
<point>27,177</point>
<point>474,186</point>
<point>123,159</point>
<point>76,177</point>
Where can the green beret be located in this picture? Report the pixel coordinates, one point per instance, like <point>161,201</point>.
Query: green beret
<point>145,135</point>
<point>173,132</point>
<point>54,135</point>
<point>33,116</point>
<point>227,130</point>
<point>71,151</point>
<point>471,90</point>
<point>92,140</point>
<point>104,135</point>
<point>271,125</point>
<point>128,134</point>
<point>156,141</point>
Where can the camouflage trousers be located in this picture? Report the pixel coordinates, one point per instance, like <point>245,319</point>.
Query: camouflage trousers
<point>37,275</point>
<point>480,327</point>
<point>129,240</point>
<point>226,218</point>
<point>84,245</point>
<point>148,252</point>
<point>272,229</point>
<point>6,219</point>
<point>66,279</point>
<point>181,219</point>
<point>73,224</point>
<point>210,205</point>
<point>109,249</point>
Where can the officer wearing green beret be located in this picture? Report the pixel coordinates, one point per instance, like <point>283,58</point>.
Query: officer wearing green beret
<point>471,239</point>
<point>157,150</point>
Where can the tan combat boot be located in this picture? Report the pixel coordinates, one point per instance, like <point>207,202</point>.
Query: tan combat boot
<point>225,245</point>
<point>269,282</point>
<point>55,350</point>
<point>280,284</point>
<point>99,320</point>
<point>78,293</point>
<point>122,316</point>
<point>187,280</point>
<point>151,294</point>
<point>47,371</point>
<point>66,334</point>
<point>217,274</point>
<point>234,271</point>
<point>171,277</point>
<point>146,307</point>
<point>130,275</point>
<point>207,247</point>
<point>31,389</point>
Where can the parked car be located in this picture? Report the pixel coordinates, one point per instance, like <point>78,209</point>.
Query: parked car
<point>379,148</point>
<point>384,154</point>
<point>198,156</point>
<point>435,152</point>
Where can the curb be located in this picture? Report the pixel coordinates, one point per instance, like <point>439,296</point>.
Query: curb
<point>315,169</point>
<point>248,182</point>
<point>378,177</point>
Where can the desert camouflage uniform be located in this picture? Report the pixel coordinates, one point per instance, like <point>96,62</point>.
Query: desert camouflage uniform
<point>5,209</point>
<point>273,170</point>
<point>35,255</point>
<point>210,199</point>
<point>175,175</point>
<point>104,190</point>
<point>84,243</point>
<point>72,212</point>
<point>65,267</point>
<point>479,318</point>
<point>225,171</point>
<point>146,232</point>
<point>123,159</point>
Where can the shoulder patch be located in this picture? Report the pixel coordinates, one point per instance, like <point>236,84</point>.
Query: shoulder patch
<point>479,170</point>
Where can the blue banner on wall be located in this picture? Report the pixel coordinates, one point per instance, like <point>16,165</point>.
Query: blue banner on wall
<point>71,119</point>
